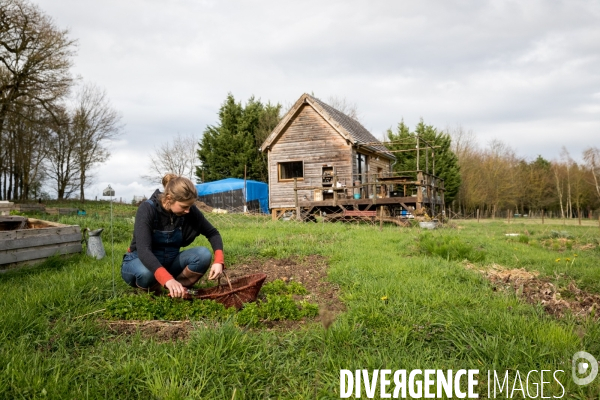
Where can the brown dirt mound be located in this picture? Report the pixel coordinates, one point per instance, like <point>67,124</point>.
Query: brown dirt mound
<point>202,206</point>
<point>556,301</point>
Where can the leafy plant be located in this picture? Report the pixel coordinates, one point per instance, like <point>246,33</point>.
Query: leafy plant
<point>276,308</point>
<point>278,286</point>
<point>146,307</point>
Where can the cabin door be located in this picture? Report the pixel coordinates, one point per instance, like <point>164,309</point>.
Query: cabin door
<point>362,171</point>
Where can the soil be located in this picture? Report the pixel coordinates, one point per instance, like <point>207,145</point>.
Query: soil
<point>310,271</point>
<point>556,301</point>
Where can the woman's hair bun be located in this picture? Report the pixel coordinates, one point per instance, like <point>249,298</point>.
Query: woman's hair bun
<point>167,178</point>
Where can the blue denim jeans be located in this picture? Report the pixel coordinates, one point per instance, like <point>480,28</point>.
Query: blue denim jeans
<point>137,275</point>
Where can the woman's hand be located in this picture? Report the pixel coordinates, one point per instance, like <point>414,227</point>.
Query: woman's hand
<point>215,271</point>
<point>176,289</point>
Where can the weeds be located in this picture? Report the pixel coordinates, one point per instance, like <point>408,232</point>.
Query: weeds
<point>277,305</point>
<point>449,247</point>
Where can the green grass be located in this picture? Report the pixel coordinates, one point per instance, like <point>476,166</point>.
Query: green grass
<point>411,303</point>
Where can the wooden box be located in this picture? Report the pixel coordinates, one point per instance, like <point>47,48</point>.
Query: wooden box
<point>28,240</point>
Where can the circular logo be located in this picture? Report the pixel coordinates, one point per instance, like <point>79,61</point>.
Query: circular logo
<point>585,368</point>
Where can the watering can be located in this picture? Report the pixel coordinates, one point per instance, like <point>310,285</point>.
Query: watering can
<point>95,248</point>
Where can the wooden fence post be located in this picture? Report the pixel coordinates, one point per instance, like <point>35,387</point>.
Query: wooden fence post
<point>478,215</point>
<point>298,217</point>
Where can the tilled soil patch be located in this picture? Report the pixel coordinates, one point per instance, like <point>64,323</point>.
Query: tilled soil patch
<point>555,300</point>
<point>310,271</point>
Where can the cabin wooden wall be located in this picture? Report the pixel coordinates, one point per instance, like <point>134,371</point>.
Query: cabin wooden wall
<point>311,139</point>
<point>374,161</point>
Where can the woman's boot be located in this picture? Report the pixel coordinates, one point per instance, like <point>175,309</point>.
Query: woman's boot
<point>188,278</point>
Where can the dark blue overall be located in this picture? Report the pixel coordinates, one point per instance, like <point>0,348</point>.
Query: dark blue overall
<point>165,247</point>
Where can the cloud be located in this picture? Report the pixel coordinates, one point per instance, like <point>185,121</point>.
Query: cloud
<point>523,72</point>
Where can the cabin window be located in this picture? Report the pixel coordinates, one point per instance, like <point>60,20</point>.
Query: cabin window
<point>290,170</point>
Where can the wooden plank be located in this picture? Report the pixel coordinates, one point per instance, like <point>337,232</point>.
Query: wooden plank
<point>53,231</point>
<point>36,241</point>
<point>356,213</point>
<point>8,235</point>
<point>13,256</point>
<point>45,224</point>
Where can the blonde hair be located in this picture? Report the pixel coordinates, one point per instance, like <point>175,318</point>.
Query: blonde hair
<point>178,188</point>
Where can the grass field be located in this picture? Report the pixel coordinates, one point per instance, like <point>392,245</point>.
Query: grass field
<point>414,300</point>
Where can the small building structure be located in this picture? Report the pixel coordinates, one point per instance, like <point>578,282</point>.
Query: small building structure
<point>320,159</point>
<point>235,195</point>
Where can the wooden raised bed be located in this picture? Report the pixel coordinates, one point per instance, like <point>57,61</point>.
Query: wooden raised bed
<point>30,207</point>
<point>28,240</point>
<point>61,211</point>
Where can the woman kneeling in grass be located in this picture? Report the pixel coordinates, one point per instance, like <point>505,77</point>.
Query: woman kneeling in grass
<point>163,224</point>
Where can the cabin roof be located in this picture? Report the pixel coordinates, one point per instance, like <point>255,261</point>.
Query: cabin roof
<point>349,128</point>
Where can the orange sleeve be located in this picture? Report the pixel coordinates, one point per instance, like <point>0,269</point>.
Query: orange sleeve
<point>162,275</point>
<point>219,257</point>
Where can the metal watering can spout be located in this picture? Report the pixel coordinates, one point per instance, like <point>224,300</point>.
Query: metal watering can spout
<point>95,248</point>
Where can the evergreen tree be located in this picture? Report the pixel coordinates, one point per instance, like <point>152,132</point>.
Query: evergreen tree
<point>446,162</point>
<point>232,145</point>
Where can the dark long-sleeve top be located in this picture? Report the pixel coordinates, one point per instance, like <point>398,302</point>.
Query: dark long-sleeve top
<point>194,224</point>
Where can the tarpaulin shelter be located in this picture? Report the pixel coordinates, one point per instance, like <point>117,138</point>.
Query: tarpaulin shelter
<point>230,194</point>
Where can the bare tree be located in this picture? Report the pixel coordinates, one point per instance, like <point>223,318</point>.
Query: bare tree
<point>35,58</point>
<point>564,154</point>
<point>592,157</point>
<point>62,165</point>
<point>178,157</point>
<point>344,106</point>
<point>94,123</point>
<point>27,147</point>
<point>557,170</point>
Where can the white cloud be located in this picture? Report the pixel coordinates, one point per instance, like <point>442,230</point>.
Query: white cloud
<point>523,72</point>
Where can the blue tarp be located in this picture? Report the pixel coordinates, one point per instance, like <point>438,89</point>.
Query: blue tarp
<point>254,190</point>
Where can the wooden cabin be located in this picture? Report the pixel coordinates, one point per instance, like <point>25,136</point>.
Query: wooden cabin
<point>321,159</point>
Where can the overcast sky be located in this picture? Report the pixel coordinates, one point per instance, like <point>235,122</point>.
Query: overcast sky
<point>524,72</point>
